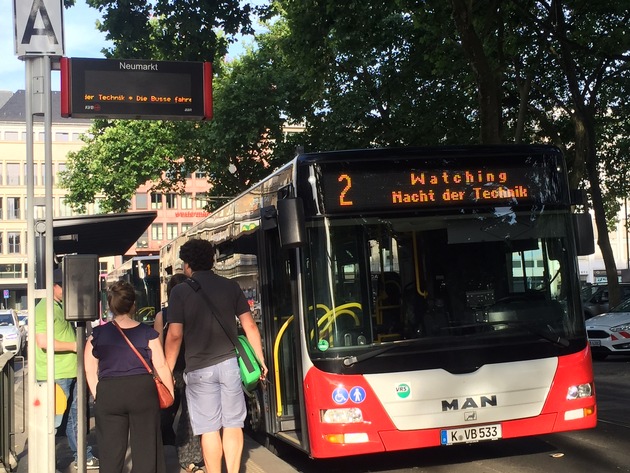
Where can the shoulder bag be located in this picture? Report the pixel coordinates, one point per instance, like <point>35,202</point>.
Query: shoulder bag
<point>247,360</point>
<point>164,395</point>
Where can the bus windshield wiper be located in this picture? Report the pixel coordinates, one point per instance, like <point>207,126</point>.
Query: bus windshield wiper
<point>548,333</point>
<point>351,360</point>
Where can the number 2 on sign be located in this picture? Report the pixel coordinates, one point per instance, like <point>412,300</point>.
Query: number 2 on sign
<point>344,191</point>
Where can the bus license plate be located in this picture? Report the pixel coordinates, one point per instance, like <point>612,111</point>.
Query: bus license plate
<point>595,343</point>
<point>470,434</point>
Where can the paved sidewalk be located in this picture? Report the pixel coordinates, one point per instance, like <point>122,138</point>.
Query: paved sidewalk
<point>256,458</point>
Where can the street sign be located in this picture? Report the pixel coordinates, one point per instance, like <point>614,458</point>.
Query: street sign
<point>38,27</point>
<point>136,89</point>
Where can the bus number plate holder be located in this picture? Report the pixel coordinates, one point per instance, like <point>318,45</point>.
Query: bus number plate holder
<point>470,434</point>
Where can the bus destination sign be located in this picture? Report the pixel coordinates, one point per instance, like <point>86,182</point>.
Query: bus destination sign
<point>397,189</point>
<point>136,89</point>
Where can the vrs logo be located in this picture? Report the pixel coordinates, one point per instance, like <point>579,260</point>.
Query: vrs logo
<point>403,390</point>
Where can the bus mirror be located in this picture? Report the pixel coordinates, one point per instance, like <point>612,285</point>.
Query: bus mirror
<point>291,222</point>
<point>268,218</point>
<point>584,237</point>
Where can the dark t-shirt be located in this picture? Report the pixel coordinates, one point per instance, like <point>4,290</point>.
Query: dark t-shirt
<point>180,363</point>
<point>115,356</point>
<point>206,342</point>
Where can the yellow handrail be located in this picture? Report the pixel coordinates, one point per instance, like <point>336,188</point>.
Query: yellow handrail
<point>342,309</point>
<point>276,364</point>
<point>417,269</point>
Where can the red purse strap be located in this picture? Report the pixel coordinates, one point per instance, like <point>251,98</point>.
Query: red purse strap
<point>146,365</point>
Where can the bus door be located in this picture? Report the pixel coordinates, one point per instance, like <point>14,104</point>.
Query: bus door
<point>284,417</point>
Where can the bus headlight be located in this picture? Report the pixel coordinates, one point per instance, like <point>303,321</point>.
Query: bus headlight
<point>579,391</point>
<point>349,415</point>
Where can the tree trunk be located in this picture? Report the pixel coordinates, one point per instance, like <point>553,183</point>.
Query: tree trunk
<point>487,78</point>
<point>585,144</point>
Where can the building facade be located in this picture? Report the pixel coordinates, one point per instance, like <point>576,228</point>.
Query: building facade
<point>175,212</point>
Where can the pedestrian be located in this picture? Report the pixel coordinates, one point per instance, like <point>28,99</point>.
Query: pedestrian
<point>213,385</point>
<point>125,397</point>
<point>65,347</point>
<point>187,444</point>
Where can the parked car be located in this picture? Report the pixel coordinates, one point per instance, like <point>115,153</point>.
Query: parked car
<point>23,324</point>
<point>11,334</point>
<point>598,302</point>
<point>609,333</point>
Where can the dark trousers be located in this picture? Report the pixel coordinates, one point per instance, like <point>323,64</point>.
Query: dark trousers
<point>127,408</point>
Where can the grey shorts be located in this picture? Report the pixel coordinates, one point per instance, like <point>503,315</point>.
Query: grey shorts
<point>215,397</point>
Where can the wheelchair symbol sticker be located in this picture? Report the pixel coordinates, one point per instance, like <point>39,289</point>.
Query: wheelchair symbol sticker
<point>340,396</point>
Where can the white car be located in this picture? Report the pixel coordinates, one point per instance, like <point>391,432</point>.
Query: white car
<point>609,333</point>
<point>11,334</point>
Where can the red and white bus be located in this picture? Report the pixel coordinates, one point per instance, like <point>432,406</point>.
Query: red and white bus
<point>411,298</point>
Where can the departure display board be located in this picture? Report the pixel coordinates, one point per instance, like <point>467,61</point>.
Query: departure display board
<point>136,89</point>
<point>364,186</point>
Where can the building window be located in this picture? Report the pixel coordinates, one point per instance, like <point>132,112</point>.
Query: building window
<point>98,205</point>
<point>186,226</point>
<point>200,175</point>
<point>157,232</point>
<point>11,135</point>
<point>1,245</point>
<point>143,241</point>
<point>187,201</point>
<point>156,201</point>
<point>61,167</point>
<point>64,208</point>
<point>201,201</point>
<point>13,174</point>
<point>13,239</point>
<point>13,208</point>
<point>42,175</point>
<point>76,136</point>
<point>171,231</point>
<point>62,136</point>
<point>141,200</point>
<point>1,213</point>
<point>171,201</point>
<point>10,271</point>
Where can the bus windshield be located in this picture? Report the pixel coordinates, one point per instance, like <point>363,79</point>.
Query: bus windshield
<point>441,279</point>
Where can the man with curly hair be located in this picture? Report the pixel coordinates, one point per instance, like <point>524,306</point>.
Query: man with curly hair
<point>213,385</point>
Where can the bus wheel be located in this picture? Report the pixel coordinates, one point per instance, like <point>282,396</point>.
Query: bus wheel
<point>255,418</point>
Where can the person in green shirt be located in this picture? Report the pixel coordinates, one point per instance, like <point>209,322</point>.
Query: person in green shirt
<point>65,347</point>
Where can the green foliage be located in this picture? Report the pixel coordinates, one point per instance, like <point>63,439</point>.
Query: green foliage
<point>365,74</point>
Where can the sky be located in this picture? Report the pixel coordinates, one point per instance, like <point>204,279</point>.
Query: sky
<point>81,40</point>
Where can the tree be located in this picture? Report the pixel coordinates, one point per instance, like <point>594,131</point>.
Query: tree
<point>240,146</point>
<point>364,74</point>
<point>592,49</point>
<point>182,30</point>
<point>373,75</point>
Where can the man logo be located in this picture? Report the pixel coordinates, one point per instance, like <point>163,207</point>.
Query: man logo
<point>403,390</point>
<point>470,403</point>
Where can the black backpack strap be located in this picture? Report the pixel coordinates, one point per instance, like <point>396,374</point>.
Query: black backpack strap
<point>194,284</point>
<point>196,287</point>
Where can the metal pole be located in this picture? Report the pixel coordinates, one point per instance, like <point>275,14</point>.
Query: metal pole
<point>50,303</point>
<point>625,206</point>
<point>41,397</point>
<point>81,400</point>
